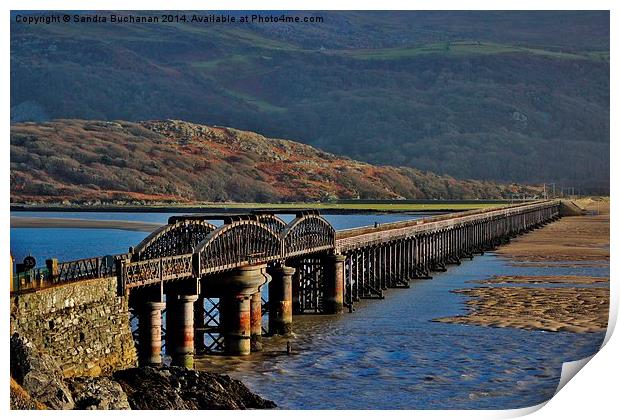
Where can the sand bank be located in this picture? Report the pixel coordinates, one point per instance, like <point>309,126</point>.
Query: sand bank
<point>574,309</point>
<point>542,280</point>
<point>579,241</point>
<point>571,239</point>
<point>53,222</point>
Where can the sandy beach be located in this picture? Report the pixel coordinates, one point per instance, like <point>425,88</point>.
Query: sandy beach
<point>542,280</point>
<point>577,241</point>
<point>52,222</point>
<point>574,309</point>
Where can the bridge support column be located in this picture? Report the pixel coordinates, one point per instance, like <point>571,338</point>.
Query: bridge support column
<point>281,300</point>
<point>199,324</point>
<point>236,292</point>
<point>236,325</point>
<point>180,329</point>
<point>149,322</point>
<point>333,299</point>
<point>256,322</point>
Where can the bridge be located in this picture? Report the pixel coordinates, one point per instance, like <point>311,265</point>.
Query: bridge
<point>209,280</point>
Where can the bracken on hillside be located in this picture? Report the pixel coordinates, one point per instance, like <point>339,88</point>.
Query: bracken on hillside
<point>92,162</point>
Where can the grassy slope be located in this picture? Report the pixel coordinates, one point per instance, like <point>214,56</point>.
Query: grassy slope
<point>176,162</point>
<point>527,94</point>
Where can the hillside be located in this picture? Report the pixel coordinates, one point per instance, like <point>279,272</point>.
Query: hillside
<point>93,162</point>
<point>506,96</point>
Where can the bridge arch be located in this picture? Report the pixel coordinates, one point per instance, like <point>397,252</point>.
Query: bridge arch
<point>271,220</point>
<point>240,241</point>
<point>307,233</point>
<point>178,237</point>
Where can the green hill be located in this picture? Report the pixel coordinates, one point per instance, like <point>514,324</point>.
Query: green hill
<point>505,96</point>
<point>93,162</point>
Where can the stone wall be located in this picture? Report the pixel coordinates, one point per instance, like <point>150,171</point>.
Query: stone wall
<point>83,325</point>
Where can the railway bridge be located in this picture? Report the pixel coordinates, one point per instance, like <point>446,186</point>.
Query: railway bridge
<point>210,280</point>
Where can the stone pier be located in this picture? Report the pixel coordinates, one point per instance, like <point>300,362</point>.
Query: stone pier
<point>149,321</point>
<point>281,300</point>
<point>236,291</point>
<point>180,329</point>
<point>334,284</point>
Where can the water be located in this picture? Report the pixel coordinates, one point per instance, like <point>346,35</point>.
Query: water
<point>388,354</point>
<point>71,244</point>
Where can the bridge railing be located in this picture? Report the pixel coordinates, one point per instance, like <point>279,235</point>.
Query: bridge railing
<point>352,238</point>
<point>66,272</point>
<point>140,273</point>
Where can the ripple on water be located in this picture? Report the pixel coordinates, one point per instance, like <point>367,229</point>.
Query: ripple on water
<point>388,354</point>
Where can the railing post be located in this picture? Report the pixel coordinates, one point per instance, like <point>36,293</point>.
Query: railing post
<point>52,269</point>
<point>121,282</point>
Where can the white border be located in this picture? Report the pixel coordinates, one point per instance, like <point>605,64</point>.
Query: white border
<point>592,395</point>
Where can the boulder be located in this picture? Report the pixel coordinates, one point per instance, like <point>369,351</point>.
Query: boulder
<point>176,388</point>
<point>98,393</point>
<point>39,375</point>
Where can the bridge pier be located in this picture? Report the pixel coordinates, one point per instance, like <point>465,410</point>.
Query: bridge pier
<point>281,300</point>
<point>180,329</point>
<point>238,322</point>
<point>256,322</point>
<point>149,321</point>
<point>236,325</point>
<point>333,298</point>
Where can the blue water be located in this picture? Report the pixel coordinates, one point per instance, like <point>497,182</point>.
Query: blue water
<point>388,354</point>
<point>70,244</point>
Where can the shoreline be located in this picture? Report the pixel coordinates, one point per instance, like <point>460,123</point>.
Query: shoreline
<point>53,222</point>
<point>529,301</point>
<point>397,206</point>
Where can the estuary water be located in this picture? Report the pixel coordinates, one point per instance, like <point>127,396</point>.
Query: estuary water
<point>387,354</point>
<point>74,243</point>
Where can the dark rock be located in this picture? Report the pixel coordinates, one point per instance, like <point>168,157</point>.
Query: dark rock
<point>98,393</point>
<point>39,375</point>
<point>175,388</point>
<point>21,400</point>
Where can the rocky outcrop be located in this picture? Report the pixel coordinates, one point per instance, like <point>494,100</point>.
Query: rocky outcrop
<point>100,393</point>
<point>39,375</point>
<point>207,164</point>
<point>21,400</point>
<point>174,388</point>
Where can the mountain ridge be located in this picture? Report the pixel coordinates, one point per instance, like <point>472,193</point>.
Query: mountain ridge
<point>171,161</point>
<point>527,93</point>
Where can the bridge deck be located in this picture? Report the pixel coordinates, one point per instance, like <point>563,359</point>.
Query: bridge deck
<point>205,249</point>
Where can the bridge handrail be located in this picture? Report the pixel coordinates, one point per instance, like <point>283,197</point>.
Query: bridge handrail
<point>195,263</point>
<point>398,230</point>
<point>67,272</point>
<point>346,233</point>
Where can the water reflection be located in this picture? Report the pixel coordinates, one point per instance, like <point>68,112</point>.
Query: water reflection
<point>388,354</point>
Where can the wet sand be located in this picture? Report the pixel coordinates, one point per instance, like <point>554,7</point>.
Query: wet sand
<point>542,280</point>
<point>577,241</point>
<point>52,222</point>
<point>574,309</point>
